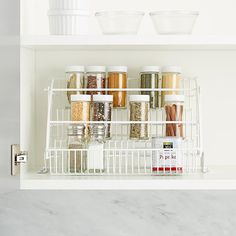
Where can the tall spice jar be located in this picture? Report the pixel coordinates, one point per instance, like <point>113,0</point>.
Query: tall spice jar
<point>174,109</point>
<point>74,79</point>
<point>117,79</point>
<point>139,111</point>
<point>171,79</point>
<point>95,79</point>
<point>150,76</point>
<point>80,110</point>
<point>101,110</point>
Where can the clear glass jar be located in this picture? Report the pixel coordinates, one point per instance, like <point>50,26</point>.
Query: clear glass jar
<point>74,79</point>
<point>95,79</point>
<point>101,110</point>
<point>174,109</point>
<point>77,159</point>
<point>139,111</point>
<point>117,79</point>
<point>96,150</point>
<point>150,76</point>
<point>80,110</point>
<point>171,79</point>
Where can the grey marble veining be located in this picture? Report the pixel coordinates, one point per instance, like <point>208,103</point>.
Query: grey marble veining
<point>117,213</point>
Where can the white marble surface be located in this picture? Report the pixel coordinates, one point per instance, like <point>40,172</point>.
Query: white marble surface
<point>116,213</point>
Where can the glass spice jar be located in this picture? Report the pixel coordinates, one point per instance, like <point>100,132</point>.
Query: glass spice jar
<point>150,76</point>
<point>101,110</point>
<point>77,159</point>
<point>139,111</point>
<point>171,79</point>
<point>117,79</point>
<point>75,80</point>
<point>80,110</point>
<point>95,79</point>
<point>174,108</point>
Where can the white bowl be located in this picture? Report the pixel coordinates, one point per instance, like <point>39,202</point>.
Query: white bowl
<point>68,22</point>
<point>119,22</point>
<point>69,4</point>
<point>174,22</point>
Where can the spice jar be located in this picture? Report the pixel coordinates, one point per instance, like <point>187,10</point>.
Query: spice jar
<point>101,111</point>
<point>171,79</point>
<point>80,110</point>
<point>174,106</point>
<point>95,79</point>
<point>78,156</point>
<point>75,79</point>
<point>150,76</point>
<point>117,79</point>
<point>139,111</point>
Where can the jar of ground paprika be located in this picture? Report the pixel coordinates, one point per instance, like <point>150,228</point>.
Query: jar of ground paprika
<point>95,79</point>
<point>117,79</point>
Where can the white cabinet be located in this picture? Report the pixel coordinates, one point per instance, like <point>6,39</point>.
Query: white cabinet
<point>212,59</point>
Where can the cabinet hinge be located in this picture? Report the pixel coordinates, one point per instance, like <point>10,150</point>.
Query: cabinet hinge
<point>18,158</point>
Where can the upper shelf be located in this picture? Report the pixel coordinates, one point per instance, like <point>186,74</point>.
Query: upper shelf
<point>88,42</point>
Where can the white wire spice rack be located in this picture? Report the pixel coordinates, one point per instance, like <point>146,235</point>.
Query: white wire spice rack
<point>121,155</point>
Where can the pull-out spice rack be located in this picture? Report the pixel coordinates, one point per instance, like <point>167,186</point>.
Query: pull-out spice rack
<point>122,156</point>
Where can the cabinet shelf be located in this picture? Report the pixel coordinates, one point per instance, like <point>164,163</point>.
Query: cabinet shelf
<point>117,42</point>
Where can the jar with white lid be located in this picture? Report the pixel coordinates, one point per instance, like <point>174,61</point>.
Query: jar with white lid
<point>150,76</point>
<point>174,111</point>
<point>117,79</point>
<point>139,106</point>
<point>75,79</point>
<point>171,79</point>
<point>101,110</point>
<point>95,79</point>
<point>80,110</point>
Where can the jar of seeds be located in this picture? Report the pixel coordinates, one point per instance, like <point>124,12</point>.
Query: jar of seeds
<point>95,79</point>
<point>139,112</point>
<point>101,110</point>
<point>80,110</point>
<point>75,79</point>
<point>150,76</point>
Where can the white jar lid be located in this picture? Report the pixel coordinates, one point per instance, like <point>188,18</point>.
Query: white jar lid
<point>80,97</point>
<point>174,98</point>
<point>95,69</point>
<point>150,69</point>
<point>74,69</point>
<point>68,12</point>
<point>139,98</point>
<point>171,69</point>
<point>103,98</point>
<point>117,69</point>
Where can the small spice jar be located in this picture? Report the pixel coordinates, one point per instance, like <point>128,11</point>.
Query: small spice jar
<point>95,79</point>
<point>75,79</point>
<point>101,110</point>
<point>117,79</point>
<point>80,110</point>
<point>171,79</point>
<point>139,111</point>
<point>149,77</point>
<point>77,159</point>
<point>174,107</point>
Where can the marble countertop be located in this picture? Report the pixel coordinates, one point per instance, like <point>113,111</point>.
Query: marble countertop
<point>116,213</point>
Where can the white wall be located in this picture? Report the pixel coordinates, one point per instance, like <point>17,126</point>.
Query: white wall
<point>216,17</point>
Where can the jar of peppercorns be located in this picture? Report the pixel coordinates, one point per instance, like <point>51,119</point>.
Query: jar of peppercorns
<point>95,79</point>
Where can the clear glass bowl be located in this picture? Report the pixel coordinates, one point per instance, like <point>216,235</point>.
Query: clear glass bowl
<point>119,22</point>
<point>174,22</point>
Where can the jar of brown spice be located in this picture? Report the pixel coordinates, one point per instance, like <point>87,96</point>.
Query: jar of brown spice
<point>95,79</point>
<point>117,79</point>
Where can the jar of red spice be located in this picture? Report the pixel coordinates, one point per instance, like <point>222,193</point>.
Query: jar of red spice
<point>95,79</point>
<point>117,79</point>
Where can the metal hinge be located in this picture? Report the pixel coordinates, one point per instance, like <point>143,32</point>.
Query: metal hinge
<point>18,158</point>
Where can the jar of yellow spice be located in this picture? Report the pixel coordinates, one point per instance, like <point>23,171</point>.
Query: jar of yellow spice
<point>80,110</point>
